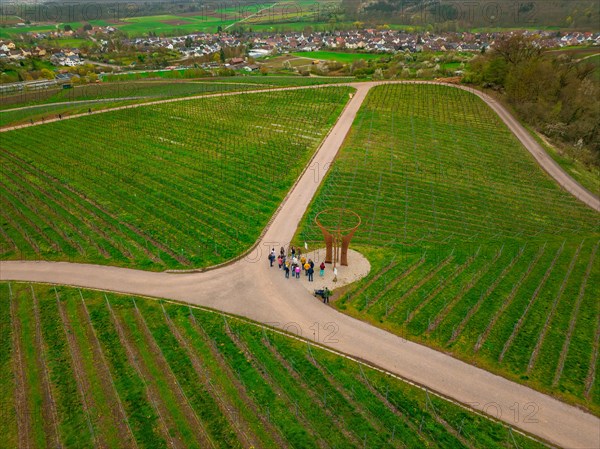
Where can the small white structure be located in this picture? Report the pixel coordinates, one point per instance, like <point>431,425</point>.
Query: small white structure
<point>258,53</point>
<point>71,61</point>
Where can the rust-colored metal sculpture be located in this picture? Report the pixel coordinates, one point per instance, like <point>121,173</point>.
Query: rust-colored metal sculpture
<point>337,234</point>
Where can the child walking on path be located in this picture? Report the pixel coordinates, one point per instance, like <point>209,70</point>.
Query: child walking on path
<point>322,269</point>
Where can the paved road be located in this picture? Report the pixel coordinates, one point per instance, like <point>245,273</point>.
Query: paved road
<point>250,288</point>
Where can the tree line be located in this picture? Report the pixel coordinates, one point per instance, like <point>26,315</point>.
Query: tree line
<point>556,93</point>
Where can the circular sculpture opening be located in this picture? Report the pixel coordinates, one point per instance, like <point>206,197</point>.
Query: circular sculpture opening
<point>338,227</point>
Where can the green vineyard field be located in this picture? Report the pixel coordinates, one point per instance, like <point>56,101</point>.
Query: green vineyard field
<point>176,185</point>
<point>46,104</point>
<point>130,86</point>
<point>83,369</point>
<point>475,250</point>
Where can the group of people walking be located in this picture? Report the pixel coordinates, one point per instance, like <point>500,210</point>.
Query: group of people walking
<point>295,263</point>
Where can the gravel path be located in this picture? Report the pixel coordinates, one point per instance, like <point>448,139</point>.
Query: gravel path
<point>536,150</point>
<point>250,288</point>
<point>358,267</point>
<point>63,103</point>
<point>167,100</point>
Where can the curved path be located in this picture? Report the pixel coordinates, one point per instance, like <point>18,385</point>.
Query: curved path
<point>542,158</point>
<point>62,103</point>
<point>250,288</point>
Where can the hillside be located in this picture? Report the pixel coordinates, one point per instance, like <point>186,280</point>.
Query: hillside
<point>83,369</point>
<point>174,185</point>
<point>582,14</point>
<point>476,251</point>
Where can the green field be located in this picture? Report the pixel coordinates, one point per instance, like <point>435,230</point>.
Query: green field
<point>23,107</point>
<point>251,78</point>
<point>71,43</point>
<point>346,58</point>
<point>166,24</point>
<point>593,60</point>
<point>193,183</point>
<point>44,103</point>
<point>281,15</point>
<point>44,112</point>
<point>474,249</point>
<point>171,24</point>
<point>290,81</point>
<point>82,368</point>
<point>12,32</point>
<point>135,26</point>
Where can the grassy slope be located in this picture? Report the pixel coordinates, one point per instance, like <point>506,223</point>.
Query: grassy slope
<point>149,200</point>
<point>117,91</point>
<point>595,61</point>
<point>455,214</point>
<point>240,384</point>
<point>149,88</point>
<point>137,26</point>
<point>153,85</point>
<point>587,176</point>
<point>140,26</point>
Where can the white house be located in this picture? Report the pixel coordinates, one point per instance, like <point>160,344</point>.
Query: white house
<point>72,61</point>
